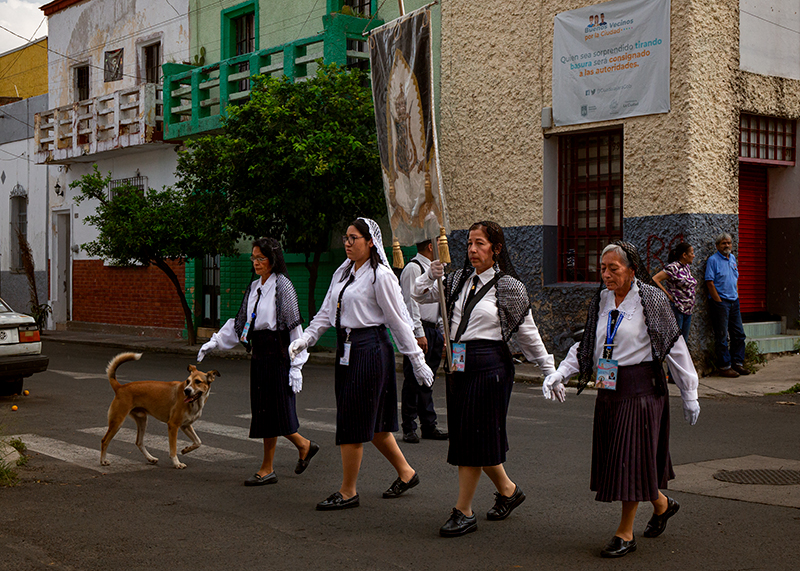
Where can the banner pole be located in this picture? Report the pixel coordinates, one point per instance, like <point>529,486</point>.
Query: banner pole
<point>448,349</point>
<point>402,7</point>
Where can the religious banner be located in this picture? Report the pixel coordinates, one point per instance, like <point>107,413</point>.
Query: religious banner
<point>611,60</point>
<point>402,88</point>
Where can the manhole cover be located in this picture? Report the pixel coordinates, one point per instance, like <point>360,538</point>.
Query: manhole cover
<point>766,477</point>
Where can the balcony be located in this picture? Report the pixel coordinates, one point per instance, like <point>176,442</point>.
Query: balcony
<point>195,98</point>
<point>78,132</point>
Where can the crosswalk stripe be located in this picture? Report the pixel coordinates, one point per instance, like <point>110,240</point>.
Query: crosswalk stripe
<point>304,423</point>
<point>80,455</point>
<point>204,453</point>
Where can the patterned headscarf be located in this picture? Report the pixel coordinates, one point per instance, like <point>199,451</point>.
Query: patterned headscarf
<point>658,317</point>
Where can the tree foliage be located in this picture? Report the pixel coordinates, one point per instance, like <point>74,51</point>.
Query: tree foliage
<point>153,227</point>
<point>296,162</point>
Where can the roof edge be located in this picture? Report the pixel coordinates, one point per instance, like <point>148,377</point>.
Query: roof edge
<point>57,5</point>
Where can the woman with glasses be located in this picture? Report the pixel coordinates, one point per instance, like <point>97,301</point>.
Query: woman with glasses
<point>268,320</point>
<point>363,299</point>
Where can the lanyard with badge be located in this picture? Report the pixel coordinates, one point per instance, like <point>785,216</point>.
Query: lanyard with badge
<point>608,368</point>
<point>472,299</point>
<point>345,358</point>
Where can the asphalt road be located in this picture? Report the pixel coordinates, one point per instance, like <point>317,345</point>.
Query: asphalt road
<point>68,513</point>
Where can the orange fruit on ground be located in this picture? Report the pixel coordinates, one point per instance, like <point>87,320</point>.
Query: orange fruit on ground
<point>26,392</point>
<point>14,407</point>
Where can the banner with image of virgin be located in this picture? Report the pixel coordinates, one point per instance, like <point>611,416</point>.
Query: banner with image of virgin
<point>400,54</point>
<point>611,60</point>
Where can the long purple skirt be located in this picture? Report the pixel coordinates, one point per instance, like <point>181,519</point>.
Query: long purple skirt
<point>630,442</point>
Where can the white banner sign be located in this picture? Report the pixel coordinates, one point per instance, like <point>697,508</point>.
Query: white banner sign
<point>611,60</point>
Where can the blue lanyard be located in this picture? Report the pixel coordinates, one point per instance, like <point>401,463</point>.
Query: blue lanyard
<point>611,334</point>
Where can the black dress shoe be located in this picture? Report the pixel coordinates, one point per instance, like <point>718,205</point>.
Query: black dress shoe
<point>503,506</point>
<point>336,502</point>
<point>399,486</point>
<point>411,437</point>
<point>618,547</point>
<point>458,524</point>
<point>658,523</point>
<point>256,480</point>
<point>740,369</point>
<point>434,434</point>
<point>302,463</point>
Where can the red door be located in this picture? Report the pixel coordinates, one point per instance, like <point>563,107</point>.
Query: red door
<point>752,253</point>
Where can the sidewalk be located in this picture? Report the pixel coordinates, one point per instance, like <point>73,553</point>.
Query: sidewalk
<point>779,373</point>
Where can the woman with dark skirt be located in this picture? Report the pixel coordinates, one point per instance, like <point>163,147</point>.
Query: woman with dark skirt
<point>486,305</point>
<point>363,298</point>
<point>268,320</point>
<point>630,332</point>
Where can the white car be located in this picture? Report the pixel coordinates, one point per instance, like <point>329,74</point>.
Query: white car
<point>20,350</point>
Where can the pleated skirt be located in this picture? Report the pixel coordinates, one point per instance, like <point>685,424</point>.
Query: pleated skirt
<point>366,389</point>
<point>477,405</point>
<point>272,401</point>
<point>630,441</point>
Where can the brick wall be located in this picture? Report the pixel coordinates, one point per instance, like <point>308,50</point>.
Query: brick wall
<point>125,295</point>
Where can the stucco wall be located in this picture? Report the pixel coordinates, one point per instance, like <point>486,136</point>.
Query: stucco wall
<point>23,70</point>
<point>770,40</point>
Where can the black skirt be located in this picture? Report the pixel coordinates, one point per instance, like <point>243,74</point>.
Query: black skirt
<point>272,400</point>
<point>477,405</point>
<point>366,389</point>
<point>630,442</point>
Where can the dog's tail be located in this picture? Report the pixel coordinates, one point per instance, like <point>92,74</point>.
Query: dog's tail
<point>111,369</point>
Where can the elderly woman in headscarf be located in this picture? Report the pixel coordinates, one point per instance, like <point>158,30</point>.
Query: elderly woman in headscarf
<point>363,298</point>
<point>630,332</point>
<point>486,304</point>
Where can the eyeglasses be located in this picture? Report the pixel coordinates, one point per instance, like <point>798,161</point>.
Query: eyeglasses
<point>350,240</point>
<point>259,260</point>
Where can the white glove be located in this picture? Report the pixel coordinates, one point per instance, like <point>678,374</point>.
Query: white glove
<point>553,387</point>
<point>691,410</point>
<point>422,371</point>
<point>296,379</point>
<point>206,348</point>
<point>436,270</point>
<point>296,347</point>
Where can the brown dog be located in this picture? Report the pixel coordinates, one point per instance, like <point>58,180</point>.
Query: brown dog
<point>178,403</point>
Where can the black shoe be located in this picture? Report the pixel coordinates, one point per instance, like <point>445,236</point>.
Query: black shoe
<point>399,486</point>
<point>302,463</point>
<point>434,434</point>
<point>658,523</point>
<point>411,437</point>
<point>256,480</point>
<point>336,502</point>
<point>503,506</point>
<point>740,369</point>
<point>618,547</point>
<point>458,524</point>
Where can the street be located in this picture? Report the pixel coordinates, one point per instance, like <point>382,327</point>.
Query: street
<point>69,513</point>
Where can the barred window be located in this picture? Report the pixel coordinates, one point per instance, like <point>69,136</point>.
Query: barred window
<point>363,7</point>
<point>767,140</point>
<point>135,183</point>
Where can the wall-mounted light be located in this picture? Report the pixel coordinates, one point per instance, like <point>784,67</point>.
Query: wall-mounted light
<point>58,190</point>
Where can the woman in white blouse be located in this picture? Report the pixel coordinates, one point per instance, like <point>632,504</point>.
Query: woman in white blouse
<point>363,298</point>
<point>630,332</point>
<point>269,319</point>
<point>478,393</point>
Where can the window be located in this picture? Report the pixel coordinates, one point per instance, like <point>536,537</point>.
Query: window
<point>589,202</point>
<point>81,83</point>
<point>358,55</point>
<point>136,183</point>
<point>363,7</point>
<point>112,66</point>
<point>19,225</point>
<point>767,140</point>
<point>245,42</point>
<point>152,63</point>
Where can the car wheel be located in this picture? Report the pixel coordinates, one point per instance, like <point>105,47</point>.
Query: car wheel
<point>12,387</point>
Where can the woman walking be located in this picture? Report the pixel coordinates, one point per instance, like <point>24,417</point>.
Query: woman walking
<point>630,331</point>
<point>676,280</point>
<point>363,298</point>
<point>486,305</point>
<point>269,319</point>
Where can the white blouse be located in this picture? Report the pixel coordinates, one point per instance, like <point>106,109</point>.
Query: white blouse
<point>419,313</point>
<point>367,304</point>
<point>632,344</point>
<point>266,318</point>
<point>484,321</point>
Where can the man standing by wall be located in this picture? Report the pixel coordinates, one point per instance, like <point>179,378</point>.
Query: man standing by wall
<point>417,400</point>
<point>722,276</point>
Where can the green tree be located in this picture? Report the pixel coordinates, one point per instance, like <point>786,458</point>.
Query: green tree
<point>295,162</point>
<point>154,227</point>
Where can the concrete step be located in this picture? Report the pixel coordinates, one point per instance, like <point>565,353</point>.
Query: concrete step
<point>776,343</point>
<point>762,328</point>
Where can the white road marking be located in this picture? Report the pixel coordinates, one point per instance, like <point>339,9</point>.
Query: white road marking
<point>80,376</point>
<point>80,455</point>
<point>158,442</point>
<point>304,423</point>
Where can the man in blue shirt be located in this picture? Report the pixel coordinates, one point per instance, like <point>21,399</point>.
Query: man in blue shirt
<point>722,276</point>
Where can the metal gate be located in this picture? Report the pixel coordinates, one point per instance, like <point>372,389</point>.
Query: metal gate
<point>752,258</point>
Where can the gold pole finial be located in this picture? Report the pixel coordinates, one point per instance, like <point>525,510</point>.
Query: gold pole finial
<point>397,254</point>
<point>444,251</point>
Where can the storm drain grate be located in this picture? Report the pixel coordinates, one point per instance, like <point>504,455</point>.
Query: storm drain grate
<point>766,477</point>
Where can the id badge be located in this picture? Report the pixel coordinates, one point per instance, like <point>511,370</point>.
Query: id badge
<point>345,358</point>
<point>244,333</point>
<point>607,372</point>
<point>459,356</point>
